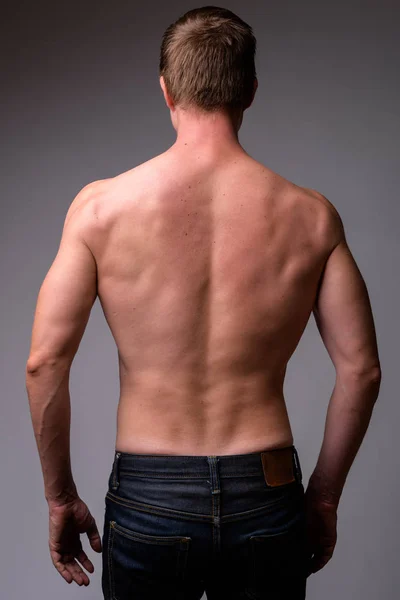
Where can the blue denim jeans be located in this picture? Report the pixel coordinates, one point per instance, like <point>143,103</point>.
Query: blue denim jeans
<point>232,526</point>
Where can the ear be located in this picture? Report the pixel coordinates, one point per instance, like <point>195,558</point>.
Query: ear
<point>162,83</point>
<point>255,86</point>
<point>167,97</point>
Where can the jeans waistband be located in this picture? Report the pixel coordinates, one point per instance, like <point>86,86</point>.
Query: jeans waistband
<point>159,465</point>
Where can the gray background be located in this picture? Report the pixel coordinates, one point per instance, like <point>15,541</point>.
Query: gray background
<point>81,101</point>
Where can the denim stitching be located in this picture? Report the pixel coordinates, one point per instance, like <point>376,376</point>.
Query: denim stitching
<point>182,553</point>
<point>110,569</point>
<point>183,558</point>
<point>193,516</point>
<point>299,473</point>
<point>132,535</point>
<point>135,473</point>
<point>158,510</point>
<point>115,479</point>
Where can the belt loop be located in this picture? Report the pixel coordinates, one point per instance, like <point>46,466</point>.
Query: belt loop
<point>115,472</point>
<point>299,474</point>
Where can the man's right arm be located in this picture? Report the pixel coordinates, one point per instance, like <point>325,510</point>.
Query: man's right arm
<point>343,315</point>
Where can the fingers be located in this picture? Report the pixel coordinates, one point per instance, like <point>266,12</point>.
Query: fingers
<point>93,535</point>
<point>71,571</point>
<point>78,575</point>
<point>319,560</point>
<point>65,546</point>
<point>63,572</point>
<point>85,562</point>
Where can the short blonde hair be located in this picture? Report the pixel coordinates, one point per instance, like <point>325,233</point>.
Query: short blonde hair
<point>207,59</point>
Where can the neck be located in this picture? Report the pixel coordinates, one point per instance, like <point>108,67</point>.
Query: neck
<point>206,131</point>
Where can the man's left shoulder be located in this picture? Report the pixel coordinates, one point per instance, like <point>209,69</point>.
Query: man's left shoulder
<point>85,210</point>
<point>87,194</point>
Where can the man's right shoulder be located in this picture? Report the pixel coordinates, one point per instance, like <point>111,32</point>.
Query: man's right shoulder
<point>334,229</point>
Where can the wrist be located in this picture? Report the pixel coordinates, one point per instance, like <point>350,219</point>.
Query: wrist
<point>63,499</point>
<point>319,491</point>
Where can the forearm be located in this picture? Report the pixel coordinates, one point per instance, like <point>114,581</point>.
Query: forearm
<point>348,416</point>
<point>49,400</point>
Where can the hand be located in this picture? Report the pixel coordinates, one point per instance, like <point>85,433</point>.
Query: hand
<point>321,517</point>
<point>66,523</point>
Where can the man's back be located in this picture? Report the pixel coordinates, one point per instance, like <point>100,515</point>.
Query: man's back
<point>207,266</point>
<point>208,270</point>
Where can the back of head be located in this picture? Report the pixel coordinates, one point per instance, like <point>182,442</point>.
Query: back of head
<point>207,60</point>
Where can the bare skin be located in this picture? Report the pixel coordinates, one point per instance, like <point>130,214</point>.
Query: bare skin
<point>208,271</point>
<point>208,266</point>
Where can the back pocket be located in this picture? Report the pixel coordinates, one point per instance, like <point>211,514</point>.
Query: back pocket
<point>145,566</point>
<point>278,564</point>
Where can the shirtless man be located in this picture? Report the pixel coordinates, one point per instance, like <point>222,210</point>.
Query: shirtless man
<point>208,266</point>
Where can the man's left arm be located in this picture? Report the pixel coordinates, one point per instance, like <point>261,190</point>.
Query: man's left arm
<point>65,300</point>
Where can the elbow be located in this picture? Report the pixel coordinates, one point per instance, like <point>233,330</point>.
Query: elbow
<point>374,382</point>
<point>32,367</point>
<point>372,375</point>
<point>36,365</point>
<point>363,376</point>
<point>376,374</point>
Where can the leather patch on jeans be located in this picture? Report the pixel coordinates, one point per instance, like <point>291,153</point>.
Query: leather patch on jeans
<point>278,466</point>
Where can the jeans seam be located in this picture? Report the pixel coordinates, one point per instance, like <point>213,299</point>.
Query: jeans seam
<point>155,475</point>
<point>159,510</point>
<point>153,539</point>
<point>115,474</point>
<point>110,566</point>
<point>298,471</point>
